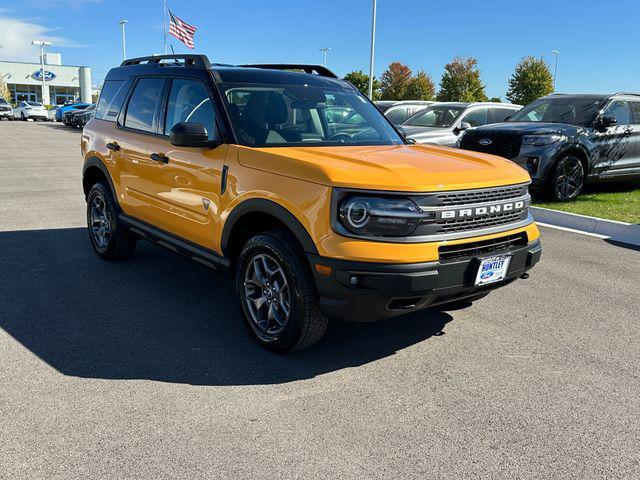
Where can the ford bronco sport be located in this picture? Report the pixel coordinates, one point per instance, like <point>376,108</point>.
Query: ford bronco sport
<point>240,168</point>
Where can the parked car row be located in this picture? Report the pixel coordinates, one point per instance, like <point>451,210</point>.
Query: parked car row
<point>563,141</point>
<point>78,115</point>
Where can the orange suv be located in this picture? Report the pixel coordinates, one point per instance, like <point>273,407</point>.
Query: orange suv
<point>292,182</point>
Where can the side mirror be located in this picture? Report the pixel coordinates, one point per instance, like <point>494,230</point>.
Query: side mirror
<point>608,121</point>
<point>403,132</point>
<point>461,128</point>
<point>191,134</point>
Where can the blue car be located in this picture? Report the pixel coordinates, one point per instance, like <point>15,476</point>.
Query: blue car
<point>74,106</point>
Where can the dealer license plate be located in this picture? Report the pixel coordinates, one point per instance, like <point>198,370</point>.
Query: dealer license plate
<point>492,269</point>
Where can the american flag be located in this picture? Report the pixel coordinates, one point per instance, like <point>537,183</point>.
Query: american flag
<point>181,30</point>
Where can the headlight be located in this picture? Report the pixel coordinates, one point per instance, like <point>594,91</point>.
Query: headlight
<point>540,140</point>
<point>374,216</point>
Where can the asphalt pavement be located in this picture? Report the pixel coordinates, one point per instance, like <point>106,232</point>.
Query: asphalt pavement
<point>143,369</point>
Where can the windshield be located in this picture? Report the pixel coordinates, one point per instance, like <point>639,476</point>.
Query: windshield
<point>437,117</point>
<point>574,111</point>
<point>265,115</point>
<point>35,104</point>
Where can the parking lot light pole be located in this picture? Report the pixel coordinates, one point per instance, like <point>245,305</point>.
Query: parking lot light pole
<point>42,44</point>
<point>373,46</point>
<point>324,55</point>
<point>122,23</point>
<point>555,70</point>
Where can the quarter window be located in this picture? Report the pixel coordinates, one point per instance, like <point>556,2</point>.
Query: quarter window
<point>189,101</point>
<point>143,104</point>
<point>111,99</point>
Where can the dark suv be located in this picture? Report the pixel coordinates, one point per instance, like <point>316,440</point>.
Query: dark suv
<point>566,140</point>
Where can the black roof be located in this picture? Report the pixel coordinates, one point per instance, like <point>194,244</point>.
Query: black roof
<point>194,64</point>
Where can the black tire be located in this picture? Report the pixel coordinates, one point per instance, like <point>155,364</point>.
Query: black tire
<point>119,243</point>
<point>305,324</point>
<point>567,179</point>
<point>24,119</point>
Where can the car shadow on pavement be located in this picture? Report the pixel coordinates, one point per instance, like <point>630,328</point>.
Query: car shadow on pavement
<point>159,316</point>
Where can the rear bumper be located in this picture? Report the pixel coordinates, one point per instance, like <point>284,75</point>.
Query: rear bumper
<point>385,290</point>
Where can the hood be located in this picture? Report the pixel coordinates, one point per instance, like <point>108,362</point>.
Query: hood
<point>411,168</point>
<point>528,128</point>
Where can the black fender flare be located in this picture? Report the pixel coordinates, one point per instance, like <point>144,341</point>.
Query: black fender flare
<point>95,162</point>
<point>575,146</point>
<point>275,210</point>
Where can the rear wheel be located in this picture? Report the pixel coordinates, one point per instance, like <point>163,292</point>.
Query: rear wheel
<point>24,119</point>
<point>567,179</point>
<point>277,293</point>
<point>109,239</point>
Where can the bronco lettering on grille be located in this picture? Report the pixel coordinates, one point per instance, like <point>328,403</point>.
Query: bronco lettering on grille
<point>480,211</point>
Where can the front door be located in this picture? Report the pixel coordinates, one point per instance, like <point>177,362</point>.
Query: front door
<point>616,145</point>
<point>183,184</point>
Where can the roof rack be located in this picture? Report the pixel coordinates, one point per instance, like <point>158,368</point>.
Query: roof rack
<point>318,69</point>
<point>187,60</point>
<point>627,93</point>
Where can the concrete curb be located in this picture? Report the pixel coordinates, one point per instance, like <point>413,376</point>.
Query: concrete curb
<point>618,231</point>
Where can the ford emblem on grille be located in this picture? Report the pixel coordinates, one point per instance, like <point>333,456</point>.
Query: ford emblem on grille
<point>485,141</point>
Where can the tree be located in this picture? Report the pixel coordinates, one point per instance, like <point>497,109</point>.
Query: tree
<point>495,100</point>
<point>420,87</point>
<point>360,80</point>
<point>4,90</point>
<point>395,81</point>
<point>531,79</point>
<point>461,82</point>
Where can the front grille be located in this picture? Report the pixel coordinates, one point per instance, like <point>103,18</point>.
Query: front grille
<point>465,224</point>
<point>480,196</point>
<point>503,144</point>
<point>4,109</point>
<point>449,253</point>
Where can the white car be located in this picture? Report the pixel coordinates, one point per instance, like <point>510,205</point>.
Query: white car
<point>6,110</point>
<point>26,110</point>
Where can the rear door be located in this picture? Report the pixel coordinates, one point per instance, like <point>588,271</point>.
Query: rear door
<point>184,189</point>
<point>634,161</point>
<point>138,123</point>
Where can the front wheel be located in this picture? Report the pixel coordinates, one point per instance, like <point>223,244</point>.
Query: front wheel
<point>277,293</point>
<point>567,179</point>
<point>109,239</point>
<point>24,119</point>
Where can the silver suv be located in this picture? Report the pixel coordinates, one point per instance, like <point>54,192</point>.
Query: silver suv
<point>442,123</point>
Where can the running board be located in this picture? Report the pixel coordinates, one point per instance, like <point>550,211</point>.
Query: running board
<point>183,247</point>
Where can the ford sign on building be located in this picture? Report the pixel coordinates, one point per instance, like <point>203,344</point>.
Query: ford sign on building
<point>48,76</point>
<point>62,83</point>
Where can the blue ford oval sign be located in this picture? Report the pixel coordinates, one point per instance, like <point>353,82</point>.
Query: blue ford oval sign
<point>47,75</point>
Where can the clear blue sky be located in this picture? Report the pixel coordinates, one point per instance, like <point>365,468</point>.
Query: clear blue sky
<point>599,40</point>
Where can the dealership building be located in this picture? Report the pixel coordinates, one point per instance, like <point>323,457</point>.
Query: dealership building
<point>62,83</point>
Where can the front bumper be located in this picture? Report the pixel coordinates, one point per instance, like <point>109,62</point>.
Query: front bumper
<point>6,113</point>
<point>387,290</point>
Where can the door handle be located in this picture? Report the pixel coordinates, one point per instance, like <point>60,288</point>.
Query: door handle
<point>113,146</point>
<point>159,157</point>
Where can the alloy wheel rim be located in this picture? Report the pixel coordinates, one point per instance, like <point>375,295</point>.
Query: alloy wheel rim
<point>101,228</point>
<point>570,179</point>
<point>267,295</point>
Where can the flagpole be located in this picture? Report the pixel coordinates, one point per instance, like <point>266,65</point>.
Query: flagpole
<point>164,38</point>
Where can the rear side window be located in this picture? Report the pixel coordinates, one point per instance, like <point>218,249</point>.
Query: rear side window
<point>189,101</point>
<point>143,104</point>
<point>635,109</point>
<point>477,117</point>
<point>398,115</point>
<point>111,99</point>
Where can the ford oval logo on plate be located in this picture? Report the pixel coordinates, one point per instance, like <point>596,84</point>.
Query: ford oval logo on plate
<point>485,141</point>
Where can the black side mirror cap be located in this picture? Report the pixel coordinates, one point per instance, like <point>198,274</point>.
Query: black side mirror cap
<point>608,121</point>
<point>191,134</point>
<point>461,128</point>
